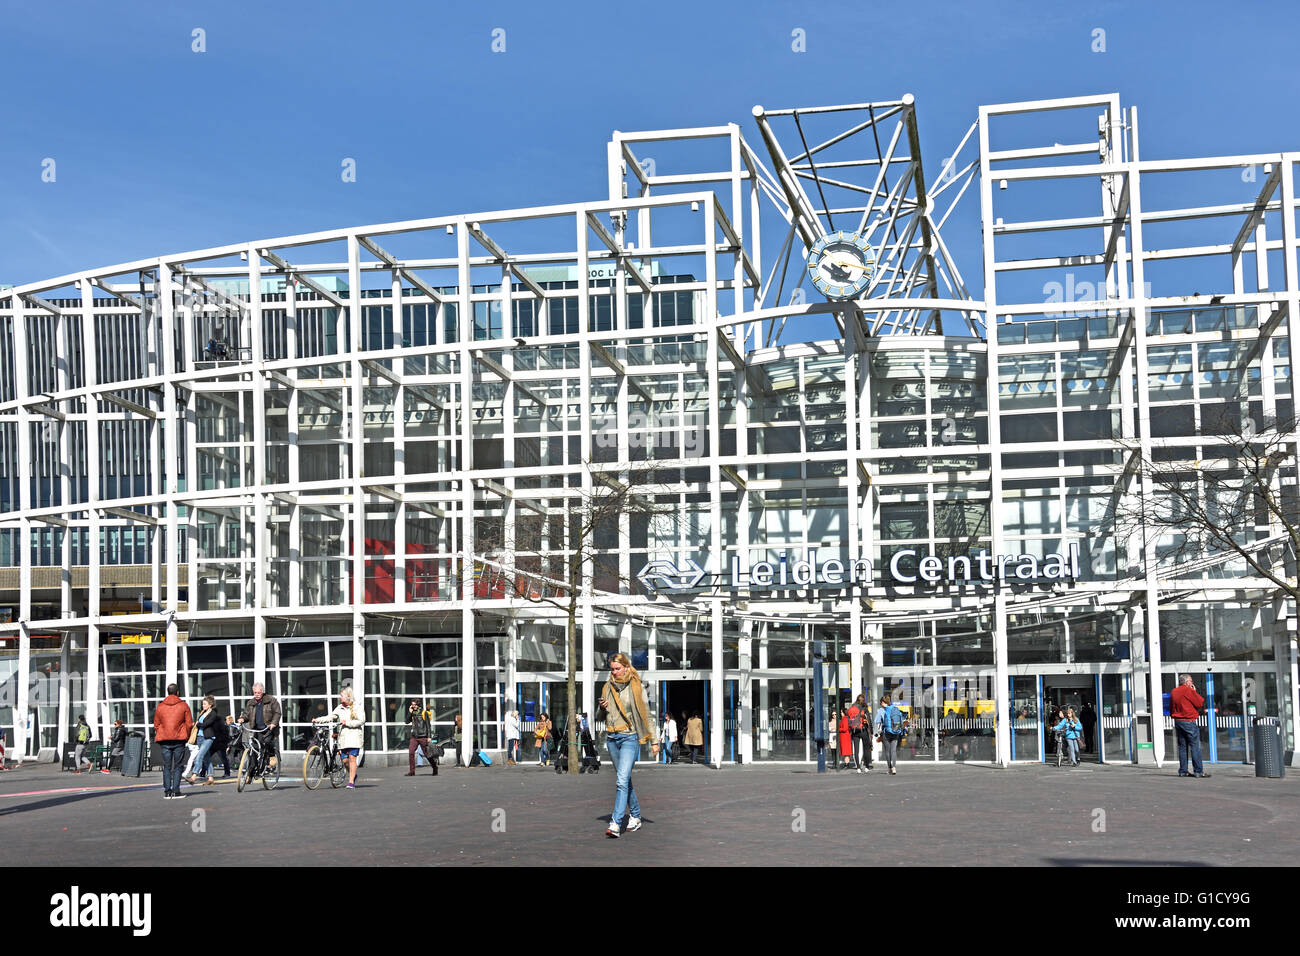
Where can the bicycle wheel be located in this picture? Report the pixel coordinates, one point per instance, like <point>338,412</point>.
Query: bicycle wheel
<point>271,775</point>
<point>242,774</point>
<point>338,773</point>
<point>313,767</point>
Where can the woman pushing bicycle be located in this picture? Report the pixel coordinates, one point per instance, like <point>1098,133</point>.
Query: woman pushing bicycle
<point>351,720</point>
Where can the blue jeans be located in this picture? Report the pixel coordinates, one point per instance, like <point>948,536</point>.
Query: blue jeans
<point>623,751</point>
<point>1072,748</point>
<point>1189,738</point>
<point>173,757</point>
<point>203,759</point>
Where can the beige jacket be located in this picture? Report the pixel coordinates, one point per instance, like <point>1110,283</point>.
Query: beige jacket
<point>695,732</point>
<point>625,711</point>
<point>351,721</point>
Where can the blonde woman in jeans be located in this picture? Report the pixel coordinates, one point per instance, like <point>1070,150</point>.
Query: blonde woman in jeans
<point>627,727</point>
<point>351,720</point>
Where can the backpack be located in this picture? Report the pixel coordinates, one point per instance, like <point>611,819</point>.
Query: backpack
<point>891,724</point>
<point>855,718</point>
<point>83,733</point>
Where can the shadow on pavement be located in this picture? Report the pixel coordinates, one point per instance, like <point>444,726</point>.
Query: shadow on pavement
<point>60,801</point>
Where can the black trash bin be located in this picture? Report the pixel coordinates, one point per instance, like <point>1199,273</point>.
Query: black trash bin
<point>1268,748</point>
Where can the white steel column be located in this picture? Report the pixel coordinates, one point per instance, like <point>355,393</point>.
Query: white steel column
<point>256,595</point>
<point>465,327</point>
<point>587,568</point>
<point>1289,667</point>
<point>711,338</point>
<point>1001,676</point>
<point>90,360</point>
<point>24,542</point>
<point>169,476</point>
<point>357,436</point>
<point>400,587</point>
<point>1151,581</point>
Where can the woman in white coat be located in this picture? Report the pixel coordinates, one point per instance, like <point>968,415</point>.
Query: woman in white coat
<point>351,720</point>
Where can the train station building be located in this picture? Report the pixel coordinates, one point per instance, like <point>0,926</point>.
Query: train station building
<point>1007,427</point>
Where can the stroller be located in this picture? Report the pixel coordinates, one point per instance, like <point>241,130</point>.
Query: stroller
<point>590,759</point>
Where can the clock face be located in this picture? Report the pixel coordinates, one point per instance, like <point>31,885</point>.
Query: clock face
<point>841,265</point>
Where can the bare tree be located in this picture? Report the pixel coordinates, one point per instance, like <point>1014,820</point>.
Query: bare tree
<point>549,554</point>
<point>1237,499</point>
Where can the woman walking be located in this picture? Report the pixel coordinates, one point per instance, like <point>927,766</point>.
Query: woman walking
<point>846,741</point>
<point>206,734</point>
<point>695,736</point>
<point>351,719</point>
<point>627,727</point>
<point>890,727</point>
<point>668,737</point>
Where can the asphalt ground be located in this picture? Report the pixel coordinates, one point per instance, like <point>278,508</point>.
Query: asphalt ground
<point>952,815</point>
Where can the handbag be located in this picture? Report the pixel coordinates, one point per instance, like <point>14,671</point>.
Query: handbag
<point>194,734</point>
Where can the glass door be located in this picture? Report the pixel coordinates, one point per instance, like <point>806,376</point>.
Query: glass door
<point>1204,687</point>
<point>1227,719</point>
<point>1115,722</point>
<point>1024,718</point>
<point>779,719</point>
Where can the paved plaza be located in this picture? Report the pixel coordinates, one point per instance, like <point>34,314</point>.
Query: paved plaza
<point>756,816</point>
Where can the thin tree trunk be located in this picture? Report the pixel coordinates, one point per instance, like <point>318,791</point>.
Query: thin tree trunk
<point>572,729</point>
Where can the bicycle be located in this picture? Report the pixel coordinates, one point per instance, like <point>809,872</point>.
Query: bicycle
<point>322,758</point>
<point>254,763</point>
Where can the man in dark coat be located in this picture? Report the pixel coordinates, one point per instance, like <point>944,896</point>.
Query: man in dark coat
<point>1088,717</point>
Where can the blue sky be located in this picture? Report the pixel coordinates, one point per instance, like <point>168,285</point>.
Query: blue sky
<point>160,149</point>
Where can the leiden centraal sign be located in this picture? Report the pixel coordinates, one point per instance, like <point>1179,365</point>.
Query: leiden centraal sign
<point>810,570</point>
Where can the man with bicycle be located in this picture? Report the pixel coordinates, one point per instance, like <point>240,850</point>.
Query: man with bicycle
<point>262,714</point>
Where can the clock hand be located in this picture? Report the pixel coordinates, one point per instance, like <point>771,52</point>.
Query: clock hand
<point>844,262</point>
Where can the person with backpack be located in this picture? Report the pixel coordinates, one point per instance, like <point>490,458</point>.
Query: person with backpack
<point>858,724</point>
<point>890,727</point>
<point>83,738</point>
<point>418,719</point>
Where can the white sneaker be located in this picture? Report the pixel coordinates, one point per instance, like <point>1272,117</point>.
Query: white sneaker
<point>893,770</point>
<point>633,823</point>
<point>612,831</point>
<point>866,770</point>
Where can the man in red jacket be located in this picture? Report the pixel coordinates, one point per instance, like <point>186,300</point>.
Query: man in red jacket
<point>1185,706</point>
<point>172,720</point>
